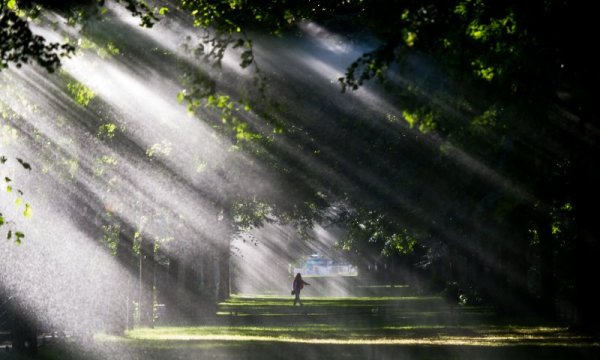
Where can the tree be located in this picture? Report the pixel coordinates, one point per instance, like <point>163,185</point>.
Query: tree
<point>497,119</point>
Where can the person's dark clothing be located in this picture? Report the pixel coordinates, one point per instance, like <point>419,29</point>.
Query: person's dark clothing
<point>297,286</point>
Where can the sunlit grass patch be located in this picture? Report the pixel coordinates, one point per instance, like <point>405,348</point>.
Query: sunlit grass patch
<point>263,298</point>
<point>363,335</point>
<point>418,322</point>
<point>240,301</point>
<point>231,332</point>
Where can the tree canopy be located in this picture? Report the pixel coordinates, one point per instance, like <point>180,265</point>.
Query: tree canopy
<point>489,153</point>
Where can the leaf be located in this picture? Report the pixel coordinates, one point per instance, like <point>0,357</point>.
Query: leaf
<point>9,235</point>
<point>3,159</point>
<point>7,179</point>
<point>163,10</point>
<point>1,220</point>
<point>27,212</point>
<point>19,235</point>
<point>181,96</point>
<point>18,201</point>
<point>8,188</point>
<point>24,164</point>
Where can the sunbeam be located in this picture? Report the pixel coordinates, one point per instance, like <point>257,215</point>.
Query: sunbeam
<point>319,180</point>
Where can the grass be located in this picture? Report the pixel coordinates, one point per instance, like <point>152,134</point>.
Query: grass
<point>414,327</point>
<point>408,335</point>
<point>268,327</point>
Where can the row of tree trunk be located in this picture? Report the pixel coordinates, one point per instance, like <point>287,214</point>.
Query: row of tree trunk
<point>537,273</point>
<point>181,286</point>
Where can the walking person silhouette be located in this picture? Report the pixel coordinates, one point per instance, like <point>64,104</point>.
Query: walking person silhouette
<point>297,286</point>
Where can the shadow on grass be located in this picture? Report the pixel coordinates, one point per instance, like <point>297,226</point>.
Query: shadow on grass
<point>400,328</point>
<point>156,350</point>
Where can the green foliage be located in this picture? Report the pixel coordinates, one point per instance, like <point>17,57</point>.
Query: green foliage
<point>80,93</point>
<point>483,71</point>
<point>137,243</point>
<point>201,165</point>
<point>250,214</point>
<point>198,86</point>
<point>140,8</point>
<point>399,243</point>
<point>110,235</point>
<point>25,165</point>
<point>485,85</point>
<point>20,46</point>
<point>19,202</point>
<point>103,51</point>
<point>423,121</point>
<point>372,232</point>
<point>200,93</point>
<point>27,212</point>
<point>159,149</point>
<point>71,166</point>
<point>107,131</point>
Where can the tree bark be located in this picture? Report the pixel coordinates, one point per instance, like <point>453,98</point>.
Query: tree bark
<point>546,253</point>
<point>224,285</point>
<point>189,294</point>
<point>24,330</point>
<point>208,301</point>
<point>171,286</point>
<point>123,312</point>
<point>587,249</point>
<point>146,283</point>
<point>209,278</point>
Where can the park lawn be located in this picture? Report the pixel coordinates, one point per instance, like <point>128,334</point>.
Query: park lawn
<point>366,334</point>
<point>268,327</point>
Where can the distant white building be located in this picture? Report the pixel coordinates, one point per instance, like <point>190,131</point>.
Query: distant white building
<point>318,265</point>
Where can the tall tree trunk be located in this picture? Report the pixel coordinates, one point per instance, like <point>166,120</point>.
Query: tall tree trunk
<point>123,313</point>
<point>208,301</point>
<point>519,269</point>
<point>547,279</point>
<point>24,330</point>
<point>224,266</point>
<point>224,286</point>
<point>146,283</point>
<point>190,295</point>
<point>171,291</point>
<point>587,247</point>
<point>505,298</point>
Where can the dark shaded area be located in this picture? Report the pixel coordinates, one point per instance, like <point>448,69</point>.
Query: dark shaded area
<point>20,46</point>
